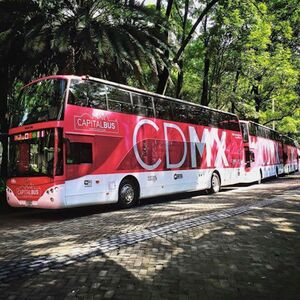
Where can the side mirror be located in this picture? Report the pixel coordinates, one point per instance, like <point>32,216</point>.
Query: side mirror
<point>252,156</point>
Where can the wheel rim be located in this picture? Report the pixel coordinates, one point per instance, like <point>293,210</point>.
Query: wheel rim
<point>215,182</point>
<point>127,193</point>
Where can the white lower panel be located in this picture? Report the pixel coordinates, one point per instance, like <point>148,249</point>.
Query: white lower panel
<point>292,167</point>
<point>267,171</point>
<point>102,189</point>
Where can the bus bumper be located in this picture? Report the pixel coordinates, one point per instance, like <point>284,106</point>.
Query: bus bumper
<point>53,198</point>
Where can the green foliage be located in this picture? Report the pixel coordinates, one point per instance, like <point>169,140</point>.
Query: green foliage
<point>253,52</point>
<point>252,48</point>
<point>2,185</point>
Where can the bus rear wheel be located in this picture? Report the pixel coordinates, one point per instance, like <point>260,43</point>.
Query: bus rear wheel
<point>128,194</point>
<point>215,183</point>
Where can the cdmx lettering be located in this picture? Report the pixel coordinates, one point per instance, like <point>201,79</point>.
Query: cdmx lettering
<point>197,145</point>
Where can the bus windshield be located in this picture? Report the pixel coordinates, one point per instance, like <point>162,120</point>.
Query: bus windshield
<point>39,102</point>
<point>32,154</point>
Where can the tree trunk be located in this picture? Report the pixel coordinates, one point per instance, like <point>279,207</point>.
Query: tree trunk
<point>179,79</point>
<point>158,5</point>
<point>236,79</point>
<point>4,91</point>
<point>164,79</point>
<point>131,3</point>
<point>164,75</point>
<point>180,62</point>
<point>205,83</point>
<point>257,100</point>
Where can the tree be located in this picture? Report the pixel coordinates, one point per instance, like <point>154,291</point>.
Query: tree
<point>117,38</point>
<point>163,79</point>
<point>12,57</point>
<point>110,39</point>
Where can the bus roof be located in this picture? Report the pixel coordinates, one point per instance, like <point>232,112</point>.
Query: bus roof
<point>133,89</point>
<point>126,87</point>
<point>266,127</point>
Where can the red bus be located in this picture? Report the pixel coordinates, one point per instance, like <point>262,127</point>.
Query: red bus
<point>263,150</point>
<point>290,155</point>
<point>82,141</point>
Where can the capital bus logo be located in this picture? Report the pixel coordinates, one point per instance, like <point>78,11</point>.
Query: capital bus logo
<point>100,123</point>
<point>27,191</point>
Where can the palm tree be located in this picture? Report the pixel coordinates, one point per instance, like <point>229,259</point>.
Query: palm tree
<point>102,37</point>
<point>105,38</point>
<point>12,57</point>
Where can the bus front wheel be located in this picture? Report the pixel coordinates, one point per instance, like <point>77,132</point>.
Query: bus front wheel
<point>215,183</point>
<point>128,193</point>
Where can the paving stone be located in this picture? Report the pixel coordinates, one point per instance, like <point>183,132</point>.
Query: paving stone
<point>191,260</point>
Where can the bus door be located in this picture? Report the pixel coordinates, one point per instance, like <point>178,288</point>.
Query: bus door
<point>79,165</point>
<point>249,157</point>
<point>248,154</point>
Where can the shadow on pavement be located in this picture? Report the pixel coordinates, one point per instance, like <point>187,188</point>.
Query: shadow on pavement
<point>251,256</point>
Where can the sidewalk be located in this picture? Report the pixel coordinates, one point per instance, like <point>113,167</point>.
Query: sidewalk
<point>253,255</point>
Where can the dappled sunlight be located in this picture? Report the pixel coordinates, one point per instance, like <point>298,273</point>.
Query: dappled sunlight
<point>285,228</point>
<point>218,205</point>
<point>244,227</point>
<point>158,257</point>
<point>284,211</point>
<point>205,231</point>
<point>227,232</point>
<point>291,198</point>
<point>190,207</point>
<point>71,248</point>
<point>250,221</point>
<point>281,224</point>
<point>250,218</point>
<point>207,238</point>
<point>48,240</point>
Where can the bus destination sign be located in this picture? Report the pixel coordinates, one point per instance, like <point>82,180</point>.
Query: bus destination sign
<point>29,135</point>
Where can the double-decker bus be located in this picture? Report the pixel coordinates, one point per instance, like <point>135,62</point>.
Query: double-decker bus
<point>263,152</point>
<point>82,141</point>
<point>290,154</point>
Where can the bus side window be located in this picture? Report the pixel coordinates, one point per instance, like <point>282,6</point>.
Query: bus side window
<point>203,116</point>
<point>232,123</point>
<point>245,132</point>
<point>79,153</point>
<point>214,120</point>
<point>236,124</point>
<point>78,93</point>
<point>193,114</point>
<point>142,105</point>
<point>180,112</point>
<point>97,95</point>
<point>119,100</point>
<point>163,109</point>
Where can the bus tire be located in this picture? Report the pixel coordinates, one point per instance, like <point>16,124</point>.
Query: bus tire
<point>128,193</point>
<point>215,181</point>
